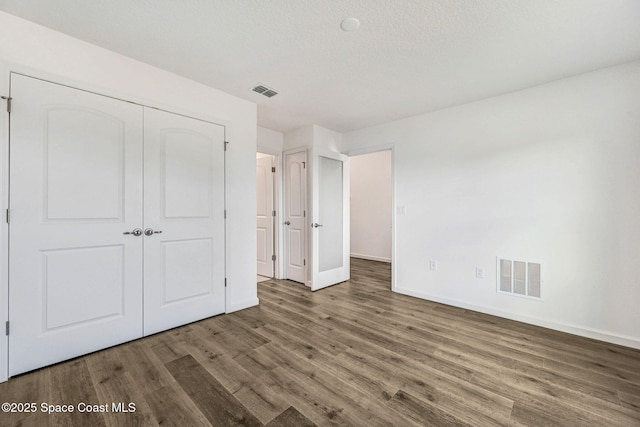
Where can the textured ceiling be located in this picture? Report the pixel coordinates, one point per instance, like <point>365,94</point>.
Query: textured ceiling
<point>409,56</point>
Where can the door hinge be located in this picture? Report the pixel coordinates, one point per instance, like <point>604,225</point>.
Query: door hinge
<point>226,143</point>
<point>304,214</point>
<point>304,262</point>
<point>273,257</point>
<point>273,213</point>
<point>7,216</point>
<point>304,165</point>
<point>7,328</point>
<point>225,282</point>
<point>273,169</point>
<point>225,214</point>
<point>8,98</point>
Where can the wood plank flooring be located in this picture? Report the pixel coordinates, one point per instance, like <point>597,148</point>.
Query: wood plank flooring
<point>354,354</point>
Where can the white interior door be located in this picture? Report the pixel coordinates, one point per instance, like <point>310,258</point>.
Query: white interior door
<point>75,281</point>
<point>264,214</point>
<point>184,217</point>
<point>295,228</point>
<point>330,220</point>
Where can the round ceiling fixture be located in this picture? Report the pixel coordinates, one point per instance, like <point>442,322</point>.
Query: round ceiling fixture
<point>350,24</point>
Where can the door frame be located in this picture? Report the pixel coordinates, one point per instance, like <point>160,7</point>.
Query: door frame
<point>4,226</point>
<point>375,149</point>
<point>6,69</point>
<point>277,206</point>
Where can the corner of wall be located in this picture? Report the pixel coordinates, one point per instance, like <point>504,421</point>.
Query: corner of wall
<point>269,141</point>
<point>327,139</point>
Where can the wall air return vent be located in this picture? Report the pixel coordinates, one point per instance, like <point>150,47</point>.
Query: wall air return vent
<point>264,90</point>
<point>522,278</point>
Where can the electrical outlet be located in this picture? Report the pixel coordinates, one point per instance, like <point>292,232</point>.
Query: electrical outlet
<point>480,272</point>
<point>433,265</point>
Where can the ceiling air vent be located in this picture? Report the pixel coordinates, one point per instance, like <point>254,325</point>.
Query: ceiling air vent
<point>264,90</point>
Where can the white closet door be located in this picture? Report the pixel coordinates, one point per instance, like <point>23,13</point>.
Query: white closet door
<point>75,188</point>
<point>184,215</point>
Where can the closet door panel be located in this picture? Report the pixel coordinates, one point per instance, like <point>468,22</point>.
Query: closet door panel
<point>184,220</point>
<point>75,281</point>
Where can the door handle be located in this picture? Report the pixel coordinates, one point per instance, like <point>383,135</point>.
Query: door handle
<point>287,223</point>
<point>136,232</point>
<point>316,225</point>
<point>151,232</point>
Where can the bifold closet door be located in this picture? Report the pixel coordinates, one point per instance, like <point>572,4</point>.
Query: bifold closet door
<point>184,220</point>
<point>75,283</point>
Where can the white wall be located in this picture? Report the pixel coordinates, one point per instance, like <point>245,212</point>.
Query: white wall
<point>551,173</point>
<point>371,206</point>
<point>38,51</point>
<point>297,138</point>
<point>269,141</point>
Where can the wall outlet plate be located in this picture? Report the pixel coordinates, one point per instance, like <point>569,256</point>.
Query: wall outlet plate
<point>433,265</point>
<point>480,272</point>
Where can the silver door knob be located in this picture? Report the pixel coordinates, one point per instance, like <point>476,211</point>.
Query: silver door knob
<point>150,232</point>
<point>287,223</point>
<point>136,232</point>
<point>316,225</point>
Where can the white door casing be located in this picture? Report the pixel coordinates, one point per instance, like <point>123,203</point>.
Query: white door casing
<point>295,206</point>
<point>330,238</point>
<point>184,208</point>
<point>264,215</point>
<point>75,188</point>
<point>4,226</point>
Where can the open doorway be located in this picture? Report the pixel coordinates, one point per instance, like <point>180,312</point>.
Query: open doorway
<point>371,209</point>
<point>266,216</point>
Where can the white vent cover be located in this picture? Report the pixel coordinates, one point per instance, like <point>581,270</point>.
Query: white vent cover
<point>522,278</point>
<point>264,90</point>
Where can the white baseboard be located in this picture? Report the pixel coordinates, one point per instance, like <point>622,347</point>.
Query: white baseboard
<point>371,257</point>
<point>558,326</point>
<point>242,305</point>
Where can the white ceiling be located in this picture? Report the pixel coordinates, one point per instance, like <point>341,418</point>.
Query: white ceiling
<point>408,57</point>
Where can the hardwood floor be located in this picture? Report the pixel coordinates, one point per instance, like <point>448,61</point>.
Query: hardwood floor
<point>353,354</point>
